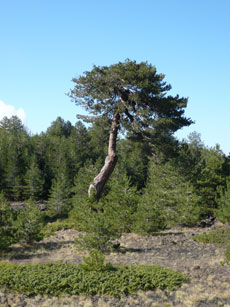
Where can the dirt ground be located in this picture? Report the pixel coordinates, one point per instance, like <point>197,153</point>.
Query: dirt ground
<point>209,283</point>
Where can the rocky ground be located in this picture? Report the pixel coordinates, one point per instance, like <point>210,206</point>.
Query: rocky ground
<point>209,281</point>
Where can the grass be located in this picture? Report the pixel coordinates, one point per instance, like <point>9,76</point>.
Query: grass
<point>220,237</point>
<point>51,228</point>
<point>55,279</point>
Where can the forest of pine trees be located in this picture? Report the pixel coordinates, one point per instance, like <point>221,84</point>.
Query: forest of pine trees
<point>172,183</point>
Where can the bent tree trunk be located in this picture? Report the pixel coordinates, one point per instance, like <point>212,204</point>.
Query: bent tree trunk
<point>96,188</point>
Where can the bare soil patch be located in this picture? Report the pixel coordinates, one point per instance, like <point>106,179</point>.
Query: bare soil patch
<point>209,281</point>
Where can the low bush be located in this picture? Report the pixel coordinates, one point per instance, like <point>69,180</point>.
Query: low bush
<point>59,202</point>
<point>57,278</point>
<point>50,228</point>
<point>223,211</point>
<point>95,262</point>
<point>6,223</point>
<point>148,218</point>
<point>220,237</point>
<point>29,223</point>
<point>167,200</point>
<point>101,225</point>
<point>106,219</point>
<point>21,225</point>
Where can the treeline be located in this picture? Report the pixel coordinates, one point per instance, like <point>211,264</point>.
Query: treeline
<point>35,166</point>
<point>153,185</point>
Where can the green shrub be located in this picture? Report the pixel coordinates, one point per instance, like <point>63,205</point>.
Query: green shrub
<point>95,262</point>
<point>149,217</point>
<point>188,209</point>
<point>83,178</point>
<point>34,180</point>
<point>220,237</point>
<point>167,200</point>
<point>59,202</point>
<point>106,219</point>
<point>99,224</point>
<point>6,223</point>
<point>227,258</point>
<point>58,278</point>
<point>50,228</point>
<point>223,201</point>
<point>29,223</point>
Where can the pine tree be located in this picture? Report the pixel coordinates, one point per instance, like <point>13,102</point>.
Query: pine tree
<point>223,201</point>
<point>210,177</point>
<point>82,179</point>
<point>133,99</point>
<point>16,147</point>
<point>105,220</point>
<point>133,158</point>
<point>78,148</point>
<point>59,202</point>
<point>6,223</point>
<point>34,181</point>
<point>167,199</point>
<point>29,223</point>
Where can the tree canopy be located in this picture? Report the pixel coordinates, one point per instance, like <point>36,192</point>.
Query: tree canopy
<point>134,98</point>
<point>136,91</point>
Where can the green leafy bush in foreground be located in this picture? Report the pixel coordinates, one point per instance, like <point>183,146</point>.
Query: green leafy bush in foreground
<point>58,278</point>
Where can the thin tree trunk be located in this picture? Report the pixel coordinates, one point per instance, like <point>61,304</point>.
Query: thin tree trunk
<point>96,188</point>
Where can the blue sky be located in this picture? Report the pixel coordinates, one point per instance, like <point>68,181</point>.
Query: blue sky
<point>44,44</point>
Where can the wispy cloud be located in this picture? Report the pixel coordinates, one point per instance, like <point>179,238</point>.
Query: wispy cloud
<point>9,111</point>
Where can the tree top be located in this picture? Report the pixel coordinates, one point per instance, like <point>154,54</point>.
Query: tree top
<point>136,91</point>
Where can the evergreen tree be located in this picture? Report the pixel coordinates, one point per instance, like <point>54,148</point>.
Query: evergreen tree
<point>60,128</point>
<point>167,199</point>
<point>3,159</point>
<point>189,160</point>
<point>29,223</point>
<point>59,202</point>
<point>34,181</point>
<point>99,135</point>
<point>6,223</point>
<point>40,145</point>
<point>133,158</point>
<point>78,147</point>
<point>16,147</point>
<point>223,202</point>
<point>211,176</point>
<point>133,98</point>
<point>82,179</point>
<point>105,220</point>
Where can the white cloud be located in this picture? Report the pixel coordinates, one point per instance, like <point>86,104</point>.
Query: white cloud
<point>9,111</point>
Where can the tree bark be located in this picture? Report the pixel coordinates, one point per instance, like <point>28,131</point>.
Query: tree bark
<point>96,188</point>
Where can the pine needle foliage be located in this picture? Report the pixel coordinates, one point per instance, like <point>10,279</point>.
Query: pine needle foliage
<point>34,182</point>
<point>59,202</point>
<point>223,201</point>
<point>6,223</point>
<point>167,199</point>
<point>29,223</point>
<point>106,219</point>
